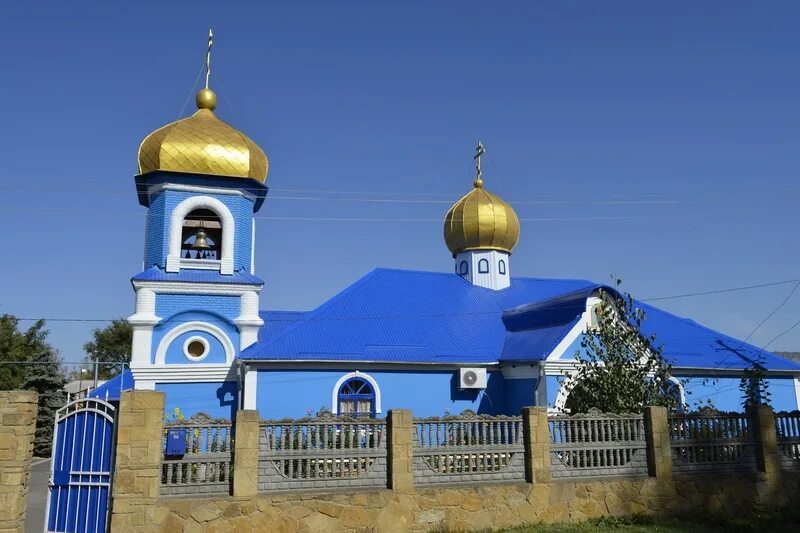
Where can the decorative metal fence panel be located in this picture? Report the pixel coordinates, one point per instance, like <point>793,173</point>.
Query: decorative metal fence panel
<point>595,444</point>
<point>81,467</point>
<point>322,453</point>
<point>468,448</point>
<point>711,441</point>
<point>787,426</point>
<point>205,467</point>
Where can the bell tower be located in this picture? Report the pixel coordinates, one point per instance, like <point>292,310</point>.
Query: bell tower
<point>197,297</point>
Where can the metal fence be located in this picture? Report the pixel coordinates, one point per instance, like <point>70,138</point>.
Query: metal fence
<point>206,466</point>
<point>711,441</point>
<point>468,448</point>
<point>595,444</point>
<point>787,426</point>
<point>322,452</point>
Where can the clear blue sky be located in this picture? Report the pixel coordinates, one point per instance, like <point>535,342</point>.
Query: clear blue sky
<point>658,142</point>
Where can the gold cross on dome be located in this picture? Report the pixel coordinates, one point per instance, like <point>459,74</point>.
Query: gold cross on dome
<point>208,55</point>
<point>479,151</point>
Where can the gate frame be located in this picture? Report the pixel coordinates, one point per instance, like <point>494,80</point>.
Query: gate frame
<point>114,418</point>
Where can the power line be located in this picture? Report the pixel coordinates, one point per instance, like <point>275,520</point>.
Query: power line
<point>788,296</point>
<point>431,315</point>
<point>720,291</point>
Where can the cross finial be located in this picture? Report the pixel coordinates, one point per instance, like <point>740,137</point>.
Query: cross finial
<point>208,55</point>
<point>479,151</point>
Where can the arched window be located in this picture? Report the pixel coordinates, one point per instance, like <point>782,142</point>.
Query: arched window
<point>501,267</point>
<point>201,235</point>
<point>483,266</point>
<point>356,397</point>
<point>464,268</point>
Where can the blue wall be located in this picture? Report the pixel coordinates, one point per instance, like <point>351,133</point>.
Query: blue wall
<point>520,393</point>
<point>293,393</point>
<point>167,303</point>
<point>217,400</point>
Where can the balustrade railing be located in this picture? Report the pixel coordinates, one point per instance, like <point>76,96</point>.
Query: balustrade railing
<point>787,427</point>
<point>597,444</point>
<point>468,448</point>
<point>205,467</point>
<point>322,452</point>
<point>711,441</point>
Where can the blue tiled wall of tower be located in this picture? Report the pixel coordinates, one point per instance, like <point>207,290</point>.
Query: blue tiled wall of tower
<point>176,309</point>
<point>158,219</point>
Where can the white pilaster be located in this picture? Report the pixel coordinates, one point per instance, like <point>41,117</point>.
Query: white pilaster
<point>143,321</point>
<point>250,388</point>
<point>490,269</point>
<point>248,321</point>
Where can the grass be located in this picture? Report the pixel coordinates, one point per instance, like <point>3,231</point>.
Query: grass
<point>785,521</point>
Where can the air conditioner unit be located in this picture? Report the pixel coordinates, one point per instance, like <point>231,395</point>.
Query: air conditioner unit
<point>472,378</point>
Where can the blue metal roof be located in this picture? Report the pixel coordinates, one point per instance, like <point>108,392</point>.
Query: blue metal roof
<point>242,277</point>
<point>404,316</point>
<point>275,321</point>
<point>111,389</point>
<point>533,330</point>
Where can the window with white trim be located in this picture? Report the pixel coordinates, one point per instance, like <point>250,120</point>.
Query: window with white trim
<point>464,268</point>
<point>483,266</point>
<point>356,397</point>
<point>501,267</point>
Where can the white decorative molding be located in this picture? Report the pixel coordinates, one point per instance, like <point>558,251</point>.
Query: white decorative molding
<point>563,391</point>
<point>142,322</point>
<point>205,327</point>
<point>492,278</point>
<point>356,374</point>
<point>579,328</point>
<point>201,340</point>
<point>199,189</point>
<point>188,373</point>
<point>215,289</point>
<point>250,388</point>
<point>797,392</point>
<point>248,321</point>
<point>141,344</point>
<point>176,229</point>
<point>681,391</point>
<point>200,264</point>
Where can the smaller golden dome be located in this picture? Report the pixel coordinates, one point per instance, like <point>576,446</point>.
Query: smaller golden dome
<point>203,144</point>
<point>481,220</point>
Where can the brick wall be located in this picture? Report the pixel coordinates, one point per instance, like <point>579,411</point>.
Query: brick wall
<point>18,415</point>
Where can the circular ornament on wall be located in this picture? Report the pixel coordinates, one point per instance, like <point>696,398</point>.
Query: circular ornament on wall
<point>196,348</point>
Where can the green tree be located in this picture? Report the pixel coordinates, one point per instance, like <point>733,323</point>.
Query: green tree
<point>622,371</point>
<point>111,344</point>
<point>27,361</point>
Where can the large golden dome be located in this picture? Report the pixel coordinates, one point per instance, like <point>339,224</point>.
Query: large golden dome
<point>203,144</point>
<point>481,221</point>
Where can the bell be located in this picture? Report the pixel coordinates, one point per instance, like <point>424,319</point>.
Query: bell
<point>200,242</point>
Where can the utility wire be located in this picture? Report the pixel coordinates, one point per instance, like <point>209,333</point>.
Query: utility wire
<point>431,315</point>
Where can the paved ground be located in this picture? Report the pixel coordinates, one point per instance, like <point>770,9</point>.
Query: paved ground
<point>37,495</point>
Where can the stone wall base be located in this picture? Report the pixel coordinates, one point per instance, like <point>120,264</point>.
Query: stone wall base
<point>469,508</point>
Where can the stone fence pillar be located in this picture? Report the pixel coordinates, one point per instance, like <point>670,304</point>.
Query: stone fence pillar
<point>137,476</point>
<point>536,435</point>
<point>18,411</point>
<point>245,453</point>
<point>400,450</point>
<point>659,452</point>
<point>762,420</point>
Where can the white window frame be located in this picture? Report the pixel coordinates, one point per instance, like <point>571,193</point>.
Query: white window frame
<point>366,377</point>
<point>174,260</point>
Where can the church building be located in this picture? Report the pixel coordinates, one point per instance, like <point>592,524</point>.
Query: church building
<point>472,336</point>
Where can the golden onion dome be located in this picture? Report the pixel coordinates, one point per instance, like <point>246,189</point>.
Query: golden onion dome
<point>203,144</point>
<point>481,220</point>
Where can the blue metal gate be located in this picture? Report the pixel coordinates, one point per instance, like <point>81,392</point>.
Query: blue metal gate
<point>81,465</point>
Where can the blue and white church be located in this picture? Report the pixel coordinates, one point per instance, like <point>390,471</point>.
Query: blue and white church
<point>473,336</point>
